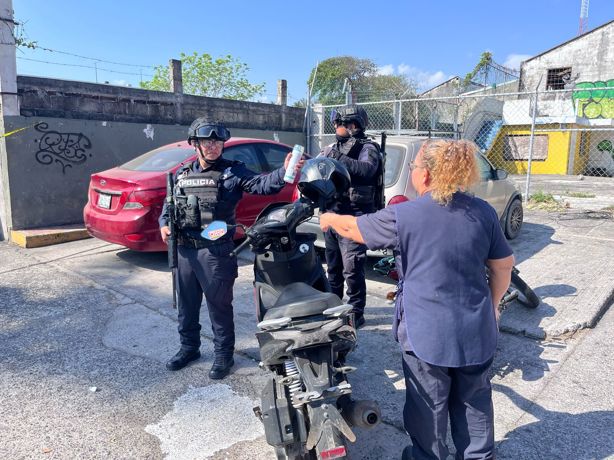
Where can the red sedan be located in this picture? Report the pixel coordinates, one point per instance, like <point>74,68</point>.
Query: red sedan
<point>124,203</point>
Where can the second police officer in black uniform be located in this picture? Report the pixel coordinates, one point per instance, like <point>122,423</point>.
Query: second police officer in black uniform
<point>209,189</point>
<point>362,158</point>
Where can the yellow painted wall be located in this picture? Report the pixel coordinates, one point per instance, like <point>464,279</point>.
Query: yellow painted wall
<point>555,163</point>
<point>581,156</point>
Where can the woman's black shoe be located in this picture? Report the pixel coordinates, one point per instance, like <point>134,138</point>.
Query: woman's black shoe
<point>181,359</point>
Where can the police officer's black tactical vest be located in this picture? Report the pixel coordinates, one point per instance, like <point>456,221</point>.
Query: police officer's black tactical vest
<point>365,194</point>
<point>199,200</point>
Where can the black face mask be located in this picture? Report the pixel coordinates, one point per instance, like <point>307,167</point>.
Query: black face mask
<point>342,139</point>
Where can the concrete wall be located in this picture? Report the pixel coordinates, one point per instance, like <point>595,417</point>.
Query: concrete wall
<point>551,150</point>
<point>46,97</point>
<point>48,165</point>
<point>74,129</point>
<point>591,58</point>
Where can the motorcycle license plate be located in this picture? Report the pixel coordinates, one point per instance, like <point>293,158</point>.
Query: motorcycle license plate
<point>104,201</point>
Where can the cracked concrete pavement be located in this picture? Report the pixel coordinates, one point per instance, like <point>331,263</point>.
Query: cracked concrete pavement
<point>89,314</point>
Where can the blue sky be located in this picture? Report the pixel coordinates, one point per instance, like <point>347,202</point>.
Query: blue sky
<point>428,40</point>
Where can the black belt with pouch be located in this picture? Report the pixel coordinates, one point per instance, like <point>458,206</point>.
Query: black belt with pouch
<point>188,241</point>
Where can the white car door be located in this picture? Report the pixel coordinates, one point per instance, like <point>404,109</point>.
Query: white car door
<point>490,188</point>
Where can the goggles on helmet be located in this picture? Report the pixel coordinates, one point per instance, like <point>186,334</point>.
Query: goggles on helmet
<point>341,117</point>
<point>209,131</point>
<point>335,116</point>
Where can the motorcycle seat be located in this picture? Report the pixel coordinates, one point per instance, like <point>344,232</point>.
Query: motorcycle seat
<point>299,300</point>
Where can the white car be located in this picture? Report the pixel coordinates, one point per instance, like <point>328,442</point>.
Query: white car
<point>493,187</point>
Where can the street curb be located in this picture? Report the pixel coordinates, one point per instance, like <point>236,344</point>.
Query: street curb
<point>47,236</point>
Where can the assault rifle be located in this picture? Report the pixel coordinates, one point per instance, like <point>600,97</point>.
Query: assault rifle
<point>381,183</point>
<point>172,239</point>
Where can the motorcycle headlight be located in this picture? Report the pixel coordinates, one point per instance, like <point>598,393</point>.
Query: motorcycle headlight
<point>279,215</point>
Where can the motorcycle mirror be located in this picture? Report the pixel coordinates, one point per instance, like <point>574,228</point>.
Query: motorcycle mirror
<point>215,230</point>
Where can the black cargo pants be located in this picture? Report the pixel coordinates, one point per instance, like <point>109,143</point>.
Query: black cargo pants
<point>346,263</point>
<point>434,393</point>
<point>211,271</point>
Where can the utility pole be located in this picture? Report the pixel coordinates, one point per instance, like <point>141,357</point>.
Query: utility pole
<point>282,92</point>
<point>347,88</point>
<point>176,76</point>
<point>9,103</point>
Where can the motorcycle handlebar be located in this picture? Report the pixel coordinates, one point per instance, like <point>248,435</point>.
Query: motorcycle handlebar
<point>255,237</point>
<point>240,248</point>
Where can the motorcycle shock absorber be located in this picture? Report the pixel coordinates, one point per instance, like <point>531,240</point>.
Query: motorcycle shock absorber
<point>295,386</point>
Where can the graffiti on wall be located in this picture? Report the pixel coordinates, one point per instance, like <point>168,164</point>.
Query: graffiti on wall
<point>606,146</point>
<point>594,103</point>
<point>66,149</point>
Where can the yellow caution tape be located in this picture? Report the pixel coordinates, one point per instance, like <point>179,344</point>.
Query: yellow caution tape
<point>10,133</point>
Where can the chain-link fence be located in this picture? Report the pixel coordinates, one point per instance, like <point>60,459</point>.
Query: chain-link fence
<point>565,132</point>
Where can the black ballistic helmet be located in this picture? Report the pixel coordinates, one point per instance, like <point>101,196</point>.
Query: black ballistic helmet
<point>351,113</point>
<point>323,180</point>
<point>203,129</point>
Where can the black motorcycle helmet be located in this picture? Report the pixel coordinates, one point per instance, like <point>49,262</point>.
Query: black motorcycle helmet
<point>351,113</point>
<point>323,180</point>
<point>203,129</point>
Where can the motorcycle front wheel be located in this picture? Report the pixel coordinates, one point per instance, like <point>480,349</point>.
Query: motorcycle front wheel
<point>526,296</point>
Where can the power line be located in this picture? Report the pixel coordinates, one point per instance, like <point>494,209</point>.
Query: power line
<point>85,66</point>
<point>93,59</point>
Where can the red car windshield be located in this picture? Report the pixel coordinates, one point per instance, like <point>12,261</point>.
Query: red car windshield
<point>161,159</point>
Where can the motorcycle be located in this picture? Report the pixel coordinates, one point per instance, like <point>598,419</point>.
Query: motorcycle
<point>305,334</point>
<point>518,289</point>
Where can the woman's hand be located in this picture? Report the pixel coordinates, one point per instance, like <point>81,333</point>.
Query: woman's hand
<point>325,220</point>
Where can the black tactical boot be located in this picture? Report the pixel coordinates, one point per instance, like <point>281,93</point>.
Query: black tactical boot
<point>359,320</point>
<point>181,359</point>
<point>221,367</point>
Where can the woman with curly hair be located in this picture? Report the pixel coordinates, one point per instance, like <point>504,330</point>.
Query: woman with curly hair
<point>446,311</point>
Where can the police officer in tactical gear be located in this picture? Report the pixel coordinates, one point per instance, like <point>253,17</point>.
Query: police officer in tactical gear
<point>362,158</point>
<point>205,190</point>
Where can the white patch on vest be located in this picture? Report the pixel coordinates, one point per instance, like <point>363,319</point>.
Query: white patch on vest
<point>203,182</point>
<point>205,420</point>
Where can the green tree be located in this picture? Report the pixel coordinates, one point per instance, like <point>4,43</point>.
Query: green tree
<point>223,77</point>
<point>367,84</point>
<point>382,87</point>
<point>485,61</point>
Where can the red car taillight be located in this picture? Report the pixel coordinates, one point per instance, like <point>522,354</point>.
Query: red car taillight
<point>90,192</point>
<point>397,199</point>
<point>142,198</point>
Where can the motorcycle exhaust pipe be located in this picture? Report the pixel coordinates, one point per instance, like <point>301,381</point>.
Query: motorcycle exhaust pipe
<point>362,413</point>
